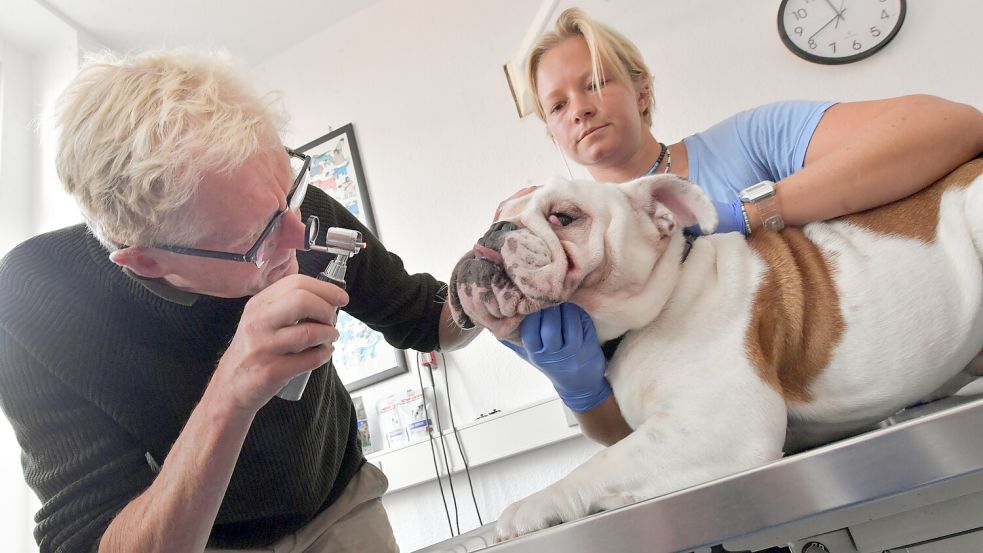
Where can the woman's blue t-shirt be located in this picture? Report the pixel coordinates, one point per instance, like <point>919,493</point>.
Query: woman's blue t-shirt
<point>764,143</point>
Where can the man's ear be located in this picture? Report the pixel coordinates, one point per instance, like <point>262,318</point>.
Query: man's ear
<point>669,199</point>
<point>143,261</point>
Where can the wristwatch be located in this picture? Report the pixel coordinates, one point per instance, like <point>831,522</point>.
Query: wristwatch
<point>762,196</point>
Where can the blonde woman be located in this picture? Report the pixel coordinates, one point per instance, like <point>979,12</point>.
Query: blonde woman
<point>787,163</point>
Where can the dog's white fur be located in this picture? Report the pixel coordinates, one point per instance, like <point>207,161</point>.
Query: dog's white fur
<point>699,407</point>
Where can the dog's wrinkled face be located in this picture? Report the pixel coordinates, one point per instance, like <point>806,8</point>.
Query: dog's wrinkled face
<point>582,241</point>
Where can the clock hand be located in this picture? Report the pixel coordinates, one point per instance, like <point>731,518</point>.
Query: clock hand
<point>839,12</point>
<point>835,18</point>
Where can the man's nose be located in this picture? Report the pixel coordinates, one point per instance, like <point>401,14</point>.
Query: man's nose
<point>293,234</point>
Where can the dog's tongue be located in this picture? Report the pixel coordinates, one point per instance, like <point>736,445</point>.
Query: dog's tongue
<point>488,254</point>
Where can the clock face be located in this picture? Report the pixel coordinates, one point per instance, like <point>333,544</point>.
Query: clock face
<point>838,31</point>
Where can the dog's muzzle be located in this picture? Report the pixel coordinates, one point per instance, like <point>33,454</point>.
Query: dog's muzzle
<point>481,268</point>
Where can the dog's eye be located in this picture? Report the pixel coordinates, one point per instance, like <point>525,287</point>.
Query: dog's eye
<point>560,219</point>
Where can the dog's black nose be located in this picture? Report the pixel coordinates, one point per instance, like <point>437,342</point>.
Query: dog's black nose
<point>502,226</point>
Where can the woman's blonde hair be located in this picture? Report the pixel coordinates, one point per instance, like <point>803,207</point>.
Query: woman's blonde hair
<point>137,134</point>
<point>609,51</point>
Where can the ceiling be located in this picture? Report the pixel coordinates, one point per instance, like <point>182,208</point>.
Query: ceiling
<point>28,26</point>
<point>251,30</point>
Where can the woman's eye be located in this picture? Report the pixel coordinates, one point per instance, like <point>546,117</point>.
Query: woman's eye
<point>556,107</point>
<point>600,84</point>
<point>560,219</point>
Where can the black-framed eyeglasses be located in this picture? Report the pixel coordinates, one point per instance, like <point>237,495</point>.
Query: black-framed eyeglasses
<point>262,250</point>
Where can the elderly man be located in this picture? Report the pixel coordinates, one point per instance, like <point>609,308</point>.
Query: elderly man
<point>140,353</point>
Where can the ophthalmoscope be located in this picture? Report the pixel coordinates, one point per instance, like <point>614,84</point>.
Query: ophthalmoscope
<point>343,243</point>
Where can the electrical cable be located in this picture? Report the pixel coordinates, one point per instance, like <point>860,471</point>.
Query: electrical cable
<point>460,446</point>
<point>443,443</point>
<point>433,452</point>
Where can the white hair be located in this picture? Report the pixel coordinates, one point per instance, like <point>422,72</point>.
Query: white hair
<point>136,135</point>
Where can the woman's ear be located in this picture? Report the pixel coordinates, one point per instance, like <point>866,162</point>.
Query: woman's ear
<point>644,97</point>
<point>141,260</point>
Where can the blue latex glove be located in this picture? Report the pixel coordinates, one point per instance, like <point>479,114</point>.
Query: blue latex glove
<point>730,218</point>
<point>562,343</point>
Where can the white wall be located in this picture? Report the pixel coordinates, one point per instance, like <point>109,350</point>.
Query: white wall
<point>423,84</point>
<point>17,162</point>
<point>31,201</point>
<point>53,208</point>
<point>17,146</point>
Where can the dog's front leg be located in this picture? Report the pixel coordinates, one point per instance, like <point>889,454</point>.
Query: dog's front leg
<point>582,492</point>
<point>696,442</point>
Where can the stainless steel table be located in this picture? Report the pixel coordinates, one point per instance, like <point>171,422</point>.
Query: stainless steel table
<point>914,485</point>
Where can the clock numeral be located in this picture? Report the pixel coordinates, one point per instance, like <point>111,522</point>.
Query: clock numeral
<point>834,37</point>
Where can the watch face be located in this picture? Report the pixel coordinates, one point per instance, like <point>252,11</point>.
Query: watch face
<point>838,31</point>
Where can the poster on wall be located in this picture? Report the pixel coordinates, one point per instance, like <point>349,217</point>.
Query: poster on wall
<point>361,355</point>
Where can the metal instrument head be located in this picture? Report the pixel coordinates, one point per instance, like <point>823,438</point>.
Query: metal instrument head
<point>339,241</point>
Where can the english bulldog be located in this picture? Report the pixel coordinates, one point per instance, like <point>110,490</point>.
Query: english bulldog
<point>729,346</point>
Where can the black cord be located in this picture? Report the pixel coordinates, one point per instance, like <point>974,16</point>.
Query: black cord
<point>460,446</point>
<point>433,452</point>
<point>443,442</point>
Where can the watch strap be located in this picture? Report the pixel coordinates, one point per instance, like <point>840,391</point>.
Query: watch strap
<point>762,195</point>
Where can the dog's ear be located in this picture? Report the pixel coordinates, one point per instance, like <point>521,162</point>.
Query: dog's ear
<point>688,204</point>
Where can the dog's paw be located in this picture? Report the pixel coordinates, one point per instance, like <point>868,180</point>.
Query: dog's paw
<point>614,501</point>
<point>542,509</point>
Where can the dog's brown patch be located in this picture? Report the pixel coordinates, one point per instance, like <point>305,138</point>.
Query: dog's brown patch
<point>917,215</point>
<point>795,320</point>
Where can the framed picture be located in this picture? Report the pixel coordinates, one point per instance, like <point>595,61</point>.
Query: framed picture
<point>361,355</point>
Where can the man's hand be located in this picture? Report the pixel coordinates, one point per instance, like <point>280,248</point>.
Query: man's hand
<point>285,330</point>
<point>561,342</point>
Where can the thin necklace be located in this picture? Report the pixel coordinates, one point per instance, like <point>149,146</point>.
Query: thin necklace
<point>662,155</point>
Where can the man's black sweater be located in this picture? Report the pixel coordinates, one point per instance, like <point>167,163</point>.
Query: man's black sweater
<point>98,375</point>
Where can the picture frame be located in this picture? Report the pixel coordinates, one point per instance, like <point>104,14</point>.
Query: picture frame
<point>361,355</point>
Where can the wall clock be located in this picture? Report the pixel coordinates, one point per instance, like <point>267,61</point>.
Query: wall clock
<point>834,32</point>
